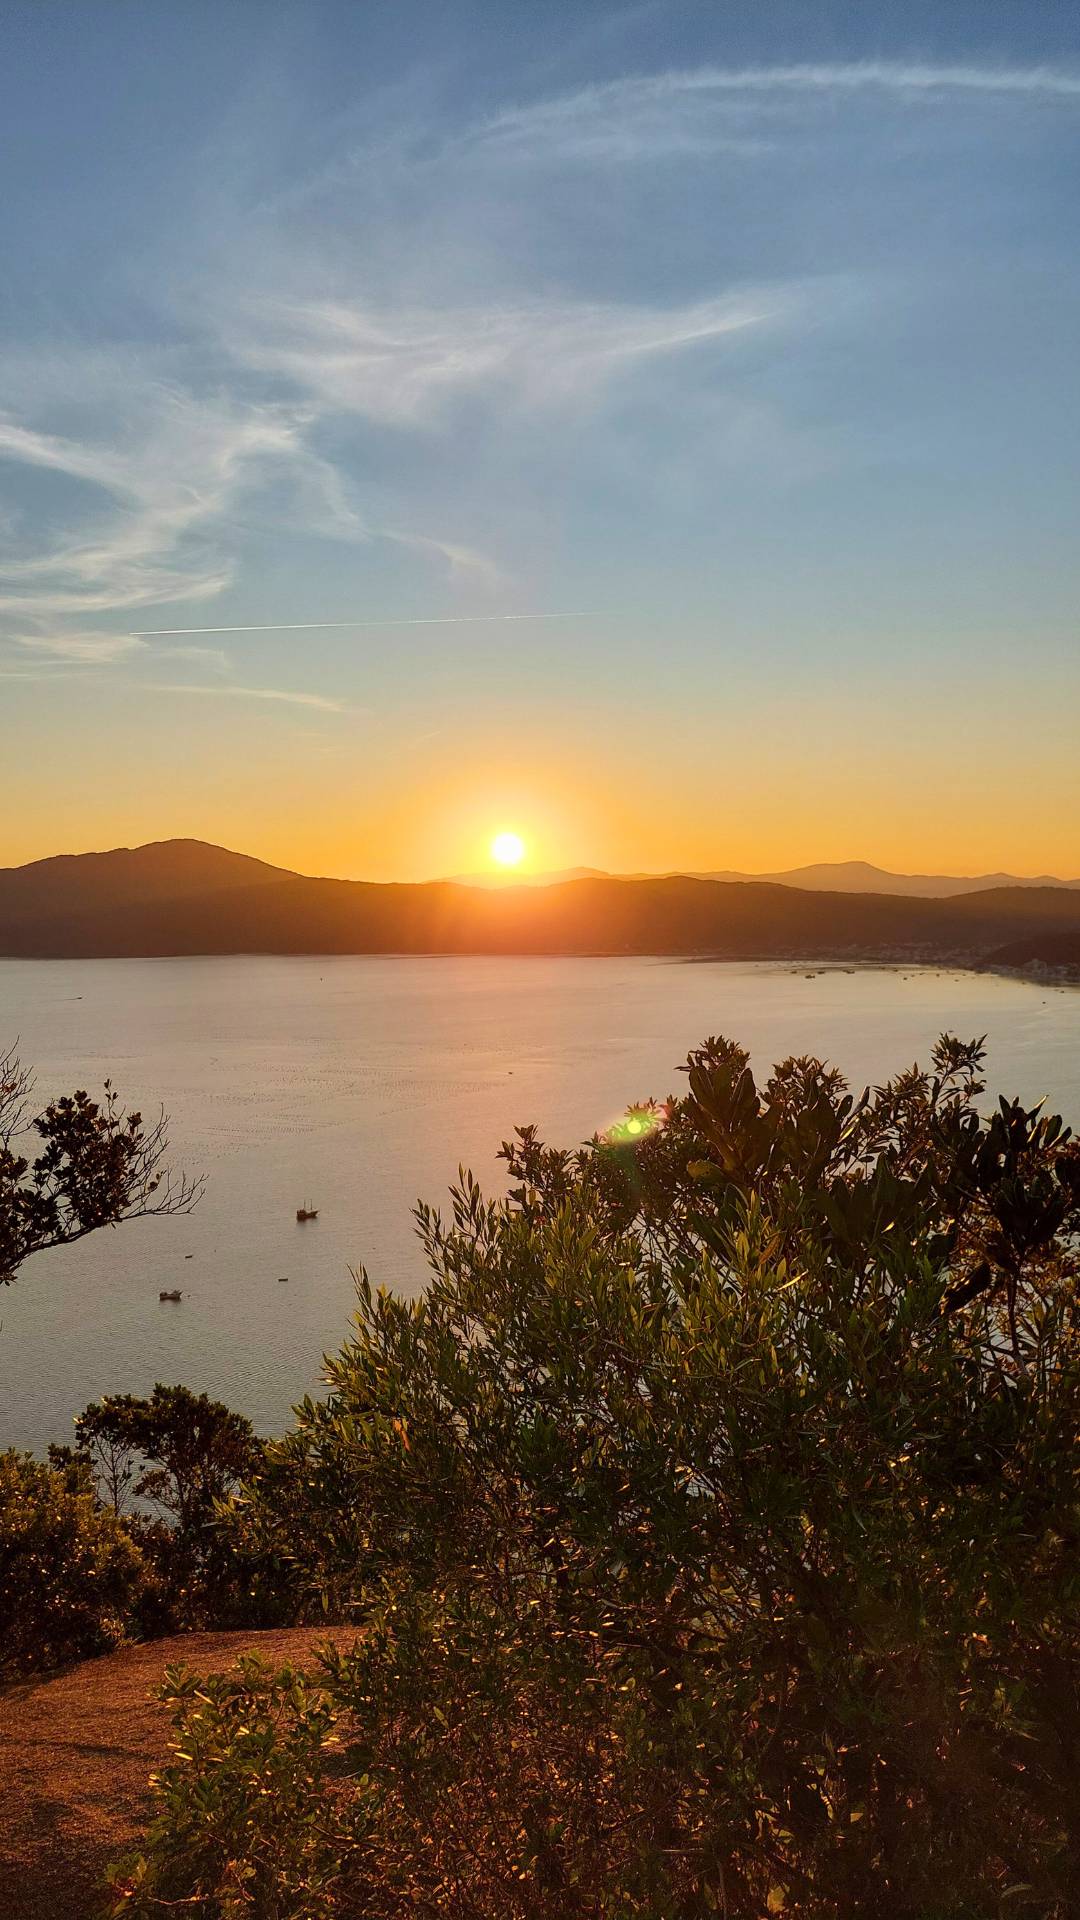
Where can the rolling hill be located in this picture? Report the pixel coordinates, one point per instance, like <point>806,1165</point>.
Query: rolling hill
<point>181,897</point>
<point>74,883</point>
<point>830,876</point>
<point>859,876</point>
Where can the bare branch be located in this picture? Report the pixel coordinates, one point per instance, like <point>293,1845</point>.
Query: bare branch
<point>16,1086</point>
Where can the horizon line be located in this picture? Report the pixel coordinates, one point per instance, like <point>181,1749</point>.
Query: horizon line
<point>530,875</point>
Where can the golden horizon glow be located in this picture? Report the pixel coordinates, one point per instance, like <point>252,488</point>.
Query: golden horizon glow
<point>401,813</point>
<point>508,849</point>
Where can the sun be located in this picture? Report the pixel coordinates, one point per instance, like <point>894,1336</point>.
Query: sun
<point>508,849</point>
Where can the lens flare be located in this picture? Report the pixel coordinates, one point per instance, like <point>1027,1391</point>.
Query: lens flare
<point>634,1126</point>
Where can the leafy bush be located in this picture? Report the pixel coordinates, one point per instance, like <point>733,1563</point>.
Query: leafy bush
<point>119,1536</point>
<point>70,1574</point>
<point>237,1800</point>
<point>712,1525</point>
<point>165,1463</point>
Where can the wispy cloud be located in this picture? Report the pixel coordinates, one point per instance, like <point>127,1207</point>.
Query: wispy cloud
<point>162,467</point>
<point>88,649</point>
<point>642,115</point>
<point>204,656</point>
<point>272,415</point>
<point>98,465</point>
<point>169,468</point>
<point>227,691</point>
<point>175,465</point>
<point>42,676</point>
<point>163,471</point>
<point>328,508</point>
<point>401,367</point>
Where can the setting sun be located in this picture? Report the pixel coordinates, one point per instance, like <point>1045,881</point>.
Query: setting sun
<point>507,849</point>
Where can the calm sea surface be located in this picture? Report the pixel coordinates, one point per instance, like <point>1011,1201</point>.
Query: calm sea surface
<point>360,1084</point>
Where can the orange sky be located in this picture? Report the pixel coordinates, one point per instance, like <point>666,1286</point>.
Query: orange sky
<point>781,782</point>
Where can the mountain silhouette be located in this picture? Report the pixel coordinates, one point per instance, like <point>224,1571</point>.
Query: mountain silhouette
<point>184,897</point>
<point>826,876</point>
<point>858,876</point>
<point>73,883</point>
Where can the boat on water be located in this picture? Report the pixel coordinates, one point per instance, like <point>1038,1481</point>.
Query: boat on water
<point>171,1293</point>
<point>307,1213</point>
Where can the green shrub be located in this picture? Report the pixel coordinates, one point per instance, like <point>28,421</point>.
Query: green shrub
<point>166,1462</point>
<point>712,1523</point>
<point>70,1574</point>
<point>246,1815</point>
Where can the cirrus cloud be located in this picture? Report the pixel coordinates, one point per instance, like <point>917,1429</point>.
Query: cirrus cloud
<point>642,116</point>
<point>401,367</point>
<point>320,702</point>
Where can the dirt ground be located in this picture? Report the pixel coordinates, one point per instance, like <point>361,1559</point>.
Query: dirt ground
<point>75,1753</point>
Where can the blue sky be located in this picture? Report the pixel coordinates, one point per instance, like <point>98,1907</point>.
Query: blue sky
<point>734,346</point>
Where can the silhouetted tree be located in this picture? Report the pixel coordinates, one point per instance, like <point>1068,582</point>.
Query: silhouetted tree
<point>165,1463</point>
<point>180,1451</point>
<point>98,1166</point>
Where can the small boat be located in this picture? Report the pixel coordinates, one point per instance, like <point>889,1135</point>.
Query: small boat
<point>307,1213</point>
<point>283,1279</point>
<point>172,1293</point>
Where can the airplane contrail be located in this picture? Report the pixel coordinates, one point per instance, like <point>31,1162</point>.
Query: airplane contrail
<point>321,626</point>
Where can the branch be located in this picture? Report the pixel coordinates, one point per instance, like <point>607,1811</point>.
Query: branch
<point>98,1166</point>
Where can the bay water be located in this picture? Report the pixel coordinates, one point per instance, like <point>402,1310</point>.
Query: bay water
<point>360,1083</point>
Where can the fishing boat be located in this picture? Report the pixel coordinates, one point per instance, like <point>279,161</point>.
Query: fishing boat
<point>307,1213</point>
<point>171,1293</point>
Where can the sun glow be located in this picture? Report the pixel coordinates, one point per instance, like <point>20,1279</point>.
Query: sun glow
<point>507,849</point>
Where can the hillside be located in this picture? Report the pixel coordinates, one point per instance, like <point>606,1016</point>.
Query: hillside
<point>859,876</point>
<point>73,883</point>
<point>829,876</point>
<point>181,898</point>
<point>1042,948</point>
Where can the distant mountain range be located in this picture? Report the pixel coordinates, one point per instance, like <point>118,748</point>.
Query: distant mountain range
<point>827,876</point>
<point>858,876</point>
<point>183,897</point>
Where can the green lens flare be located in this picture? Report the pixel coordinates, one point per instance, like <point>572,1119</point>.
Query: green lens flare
<point>635,1125</point>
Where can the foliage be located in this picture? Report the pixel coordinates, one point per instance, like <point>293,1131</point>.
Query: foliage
<point>118,1536</point>
<point>712,1525</point>
<point>98,1166</point>
<point>167,1462</point>
<point>179,1450</point>
<point>235,1801</point>
<point>70,1574</point>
